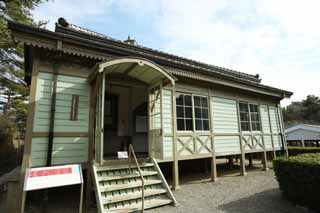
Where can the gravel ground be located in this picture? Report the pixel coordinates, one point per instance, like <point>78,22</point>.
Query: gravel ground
<point>256,192</point>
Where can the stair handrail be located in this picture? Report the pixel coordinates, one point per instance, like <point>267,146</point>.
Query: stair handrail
<point>132,153</point>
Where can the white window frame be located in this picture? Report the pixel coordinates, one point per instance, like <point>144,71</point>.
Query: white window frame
<point>193,114</point>
<point>249,113</point>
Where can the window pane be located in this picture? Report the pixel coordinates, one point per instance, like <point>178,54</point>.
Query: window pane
<point>197,112</point>
<point>243,107</point>
<point>244,126</point>
<point>204,102</point>
<point>198,124</point>
<point>197,101</point>
<point>188,112</point>
<point>205,124</point>
<point>256,126</point>
<point>244,116</point>
<point>205,113</point>
<point>254,117</point>
<point>179,100</point>
<point>180,124</point>
<point>189,124</point>
<point>187,100</point>
<point>180,113</point>
<point>253,108</point>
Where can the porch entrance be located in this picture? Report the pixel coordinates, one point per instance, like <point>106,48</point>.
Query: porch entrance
<point>127,106</point>
<point>125,116</point>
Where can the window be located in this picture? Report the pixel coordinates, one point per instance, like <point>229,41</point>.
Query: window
<point>184,112</point>
<point>249,117</point>
<point>244,116</point>
<point>201,113</point>
<point>255,119</point>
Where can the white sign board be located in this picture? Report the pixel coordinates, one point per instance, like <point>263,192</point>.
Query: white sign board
<point>48,177</point>
<point>122,155</point>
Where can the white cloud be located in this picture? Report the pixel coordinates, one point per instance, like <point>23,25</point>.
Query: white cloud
<point>277,39</point>
<point>75,11</point>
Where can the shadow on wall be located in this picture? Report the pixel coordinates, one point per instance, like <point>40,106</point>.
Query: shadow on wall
<point>266,201</point>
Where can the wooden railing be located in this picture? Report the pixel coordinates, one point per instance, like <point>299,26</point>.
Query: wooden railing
<point>133,154</point>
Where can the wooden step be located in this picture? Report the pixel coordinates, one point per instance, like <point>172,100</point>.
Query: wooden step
<point>119,167</point>
<point>135,195</point>
<point>147,205</point>
<point>124,176</point>
<point>129,185</point>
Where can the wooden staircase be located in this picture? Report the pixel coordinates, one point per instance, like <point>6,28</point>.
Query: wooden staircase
<point>118,188</point>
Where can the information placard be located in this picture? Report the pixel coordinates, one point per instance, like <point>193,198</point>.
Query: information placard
<point>54,176</point>
<point>123,155</point>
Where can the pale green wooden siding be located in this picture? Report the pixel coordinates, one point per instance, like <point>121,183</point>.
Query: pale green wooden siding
<point>225,121</point>
<point>275,126</point>
<point>66,150</point>
<point>267,141</point>
<point>66,87</point>
<point>265,118</point>
<point>224,115</point>
<point>277,142</point>
<point>225,145</point>
<point>185,145</point>
<point>167,123</point>
<point>157,112</point>
<point>203,144</point>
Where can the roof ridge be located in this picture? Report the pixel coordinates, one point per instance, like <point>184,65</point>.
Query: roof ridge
<point>64,24</point>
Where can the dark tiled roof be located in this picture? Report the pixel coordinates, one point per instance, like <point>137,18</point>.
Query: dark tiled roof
<point>63,27</point>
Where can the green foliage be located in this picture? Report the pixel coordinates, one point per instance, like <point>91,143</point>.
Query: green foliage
<point>299,178</point>
<point>305,111</point>
<point>9,157</point>
<point>11,59</point>
<point>296,150</point>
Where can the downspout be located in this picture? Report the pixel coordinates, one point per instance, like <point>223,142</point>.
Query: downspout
<point>52,114</point>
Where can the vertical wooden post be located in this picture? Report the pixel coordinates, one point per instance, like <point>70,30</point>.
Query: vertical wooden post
<point>28,138</point>
<point>213,162</point>
<point>175,166</point>
<point>281,122</point>
<point>264,156</point>
<point>243,156</point>
<point>93,102</point>
<point>273,149</point>
<point>103,91</point>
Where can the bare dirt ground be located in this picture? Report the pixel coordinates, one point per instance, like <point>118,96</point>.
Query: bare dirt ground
<point>254,193</point>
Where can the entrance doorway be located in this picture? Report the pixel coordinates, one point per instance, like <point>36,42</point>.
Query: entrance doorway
<point>125,117</point>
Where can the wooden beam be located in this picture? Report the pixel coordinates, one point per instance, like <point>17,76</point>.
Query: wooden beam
<point>264,156</point>
<point>213,162</point>
<point>28,138</point>
<point>175,164</point>
<point>130,68</point>
<point>273,149</point>
<point>243,157</point>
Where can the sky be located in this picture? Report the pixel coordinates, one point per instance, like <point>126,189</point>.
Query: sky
<point>279,40</point>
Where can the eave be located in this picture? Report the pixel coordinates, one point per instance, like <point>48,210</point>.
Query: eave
<point>84,47</point>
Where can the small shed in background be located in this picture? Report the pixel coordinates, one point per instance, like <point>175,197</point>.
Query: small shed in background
<point>303,135</point>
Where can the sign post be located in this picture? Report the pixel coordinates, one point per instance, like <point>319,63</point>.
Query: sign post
<point>54,176</point>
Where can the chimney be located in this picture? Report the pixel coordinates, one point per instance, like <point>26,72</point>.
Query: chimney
<point>130,41</point>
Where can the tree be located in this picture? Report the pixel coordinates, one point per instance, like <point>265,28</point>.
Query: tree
<point>305,111</point>
<point>11,59</point>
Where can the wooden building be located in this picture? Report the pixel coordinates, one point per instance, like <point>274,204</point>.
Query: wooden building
<point>91,96</point>
<point>303,135</point>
